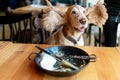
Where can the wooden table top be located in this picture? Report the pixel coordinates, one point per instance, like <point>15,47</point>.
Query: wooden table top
<point>31,8</point>
<point>15,65</point>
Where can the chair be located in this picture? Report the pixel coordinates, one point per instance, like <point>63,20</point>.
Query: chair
<point>98,35</point>
<point>99,38</point>
<point>43,34</point>
<point>18,28</point>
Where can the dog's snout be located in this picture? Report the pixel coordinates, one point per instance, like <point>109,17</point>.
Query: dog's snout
<point>83,21</point>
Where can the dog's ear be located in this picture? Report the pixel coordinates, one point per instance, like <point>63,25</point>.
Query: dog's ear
<point>51,17</point>
<point>51,20</point>
<point>97,14</point>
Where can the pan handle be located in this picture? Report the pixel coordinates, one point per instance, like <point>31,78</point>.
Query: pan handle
<point>93,58</point>
<point>30,57</point>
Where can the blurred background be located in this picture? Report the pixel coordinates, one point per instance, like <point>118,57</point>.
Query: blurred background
<point>6,7</point>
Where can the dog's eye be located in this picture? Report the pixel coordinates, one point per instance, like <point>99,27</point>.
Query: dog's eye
<point>73,12</point>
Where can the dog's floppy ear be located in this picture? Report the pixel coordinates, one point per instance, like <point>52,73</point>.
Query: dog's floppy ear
<point>52,18</point>
<point>97,14</point>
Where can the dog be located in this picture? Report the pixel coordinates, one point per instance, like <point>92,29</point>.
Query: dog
<point>71,32</point>
<point>71,23</point>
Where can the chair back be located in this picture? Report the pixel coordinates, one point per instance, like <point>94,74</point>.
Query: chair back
<point>15,28</point>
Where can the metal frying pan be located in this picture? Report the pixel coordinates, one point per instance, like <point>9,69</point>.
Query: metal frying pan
<point>75,56</point>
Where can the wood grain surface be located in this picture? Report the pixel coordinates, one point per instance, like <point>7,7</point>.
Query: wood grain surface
<point>15,65</point>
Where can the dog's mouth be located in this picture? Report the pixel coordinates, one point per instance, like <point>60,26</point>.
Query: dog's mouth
<point>81,29</point>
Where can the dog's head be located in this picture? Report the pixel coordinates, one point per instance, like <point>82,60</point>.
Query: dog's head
<point>76,19</point>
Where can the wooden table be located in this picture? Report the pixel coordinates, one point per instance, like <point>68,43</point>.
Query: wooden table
<point>31,8</point>
<point>15,65</point>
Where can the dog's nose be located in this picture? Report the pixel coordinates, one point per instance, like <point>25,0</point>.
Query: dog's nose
<point>83,21</point>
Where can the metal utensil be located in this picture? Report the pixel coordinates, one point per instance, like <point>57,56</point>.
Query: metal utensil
<point>64,62</point>
<point>92,56</point>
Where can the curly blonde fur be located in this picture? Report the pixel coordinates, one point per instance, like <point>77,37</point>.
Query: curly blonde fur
<point>50,20</point>
<point>97,14</point>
